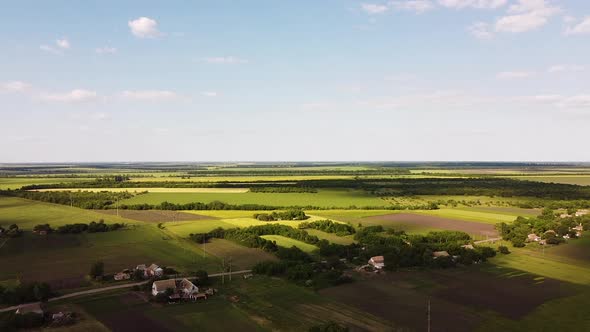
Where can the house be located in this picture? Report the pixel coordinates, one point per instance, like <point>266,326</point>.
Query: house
<point>580,213</point>
<point>578,228</point>
<point>533,238</point>
<point>438,254</point>
<point>34,308</point>
<point>377,262</point>
<point>188,289</point>
<point>467,246</point>
<point>122,276</point>
<point>564,215</point>
<point>550,232</point>
<point>160,286</point>
<point>153,271</point>
<point>141,268</point>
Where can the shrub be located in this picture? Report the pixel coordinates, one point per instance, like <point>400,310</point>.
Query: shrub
<point>503,250</point>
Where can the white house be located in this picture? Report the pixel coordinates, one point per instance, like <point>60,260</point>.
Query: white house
<point>438,254</point>
<point>533,237</point>
<point>160,286</point>
<point>188,289</point>
<point>377,262</point>
<point>153,271</point>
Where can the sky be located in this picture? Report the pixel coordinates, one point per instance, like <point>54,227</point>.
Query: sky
<point>306,80</point>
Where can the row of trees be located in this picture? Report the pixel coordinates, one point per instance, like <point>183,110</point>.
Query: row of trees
<point>293,214</point>
<point>92,227</point>
<point>81,199</point>
<point>328,226</point>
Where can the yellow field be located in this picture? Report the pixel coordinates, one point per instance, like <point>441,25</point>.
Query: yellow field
<point>158,190</point>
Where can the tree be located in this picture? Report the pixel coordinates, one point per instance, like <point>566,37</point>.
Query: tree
<point>97,269</point>
<point>503,250</point>
<point>202,278</point>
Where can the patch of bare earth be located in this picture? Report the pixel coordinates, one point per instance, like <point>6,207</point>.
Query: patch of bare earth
<point>155,216</point>
<point>397,219</point>
<point>512,297</point>
<point>403,306</point>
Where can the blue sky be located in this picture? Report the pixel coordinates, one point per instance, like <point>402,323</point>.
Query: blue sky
<point>294,80</point>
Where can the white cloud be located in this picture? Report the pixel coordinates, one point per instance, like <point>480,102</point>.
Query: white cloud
<point>575,102</point>
<point>225,60</point>
<point>509,75</point>
<point>580,28</point>
<point>63,43</point>
<point>60,46</point>
<point>106,50</point>
<point>372,8</point>
<point>481,30</point>
<point>74,96</point>
<point>14,86</point>
<point>526,15</point>
<point>209,94</point>
<point>417,6</point>
<point>151,95</point>
<point>144,27</point>
<point>479,4</point>
<point>565,68</point>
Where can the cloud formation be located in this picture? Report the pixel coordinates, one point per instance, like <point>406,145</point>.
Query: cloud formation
<point>14,86</point>
<point>225,60</point>
<point>74,96</point>
<point>150,95</point>
<point>144,27</point>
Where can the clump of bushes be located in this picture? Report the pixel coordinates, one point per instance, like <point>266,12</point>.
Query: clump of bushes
<point>287,215</point>
<point>329,226</point>
<point>93,227</point>
<point>503,250</point>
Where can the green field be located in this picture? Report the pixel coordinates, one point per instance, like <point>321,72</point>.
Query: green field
<point>288,242</point>
<point>18,182</point>
<point>324,198</point>
<point>470,215</point>
<point>26,214</point>
<point>582,180</point>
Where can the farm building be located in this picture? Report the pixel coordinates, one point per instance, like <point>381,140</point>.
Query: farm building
<point>184,289</point>
<point>377,262</point>
<point>34,308</point>
<point>122,276</point>
<point>160,286</point>
<point>154,271</point>
<point>533,237</point>
<point>438,254</point>
<point>467,246</point>
<point>580,213</point>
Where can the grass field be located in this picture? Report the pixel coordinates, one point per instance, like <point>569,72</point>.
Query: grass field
<point>582,180</point>
<point>324,198</point>
<point>26,214</point>
<point>64,260</point>
<point>157,190</point>
<point>288,242</point>
<point>241,257</point>
<point>18,182</point>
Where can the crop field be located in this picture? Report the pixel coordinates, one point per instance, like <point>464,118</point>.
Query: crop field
<point>344,240</point>
<point>64,259</point>
<point>241,257</point>
<point>491,218</point>
<point>581,180</point>
<point>156,216</point>
<point>324,198</point>
<point>288,242</point>
<point>156,190</point>
<point>26,214</point>
<point>420,223</point>
<point>461,299</point>
<point>18,182</point>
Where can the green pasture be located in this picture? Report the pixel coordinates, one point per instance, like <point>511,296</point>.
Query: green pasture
<point>469,215</point>
<point>324,198</point>
<point>27,213</point>
<point>288,242</point>
<point>18,182</point>
<point>581,180</point>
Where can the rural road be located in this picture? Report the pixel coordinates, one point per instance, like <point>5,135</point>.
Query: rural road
<point>488,240</point>
<point>106,289</point>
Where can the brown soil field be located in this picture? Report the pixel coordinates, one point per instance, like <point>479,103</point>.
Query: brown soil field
<point>401,219</point>
<point>155,216</point>
<point>512,297</point>
<point>131,320</point>
<point>397,301</point>
<point>461,299</point>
